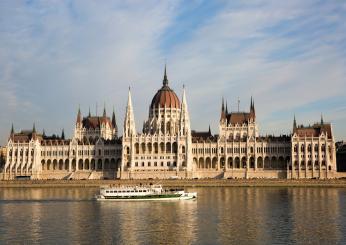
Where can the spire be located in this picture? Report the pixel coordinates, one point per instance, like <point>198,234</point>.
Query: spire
<point>12,129</point>
<point>251,106</point>
<point>223,115</point>
<point>209,130</point>
<point>89,115</point>
<point>34,129</point>
<point>129,122</point>
<point>184,116</point>
<point>62,134</point>
<point>113,118</point>
<point>165,80</point>
<point>79,116</point>
<point>143,130</point>
<point>43,133</point>
<point>294,122</point>
<point>322,122</point>
<point>226,108</point>
<point>104,110</point>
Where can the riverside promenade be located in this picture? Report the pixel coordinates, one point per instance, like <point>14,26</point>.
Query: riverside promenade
<point>341,183</point>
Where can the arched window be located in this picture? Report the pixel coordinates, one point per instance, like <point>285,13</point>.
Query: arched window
<point>175,148</point>
<point>137,148</point>
<point>168,147</point>
<point>168,128</point>
<point>162,147</point>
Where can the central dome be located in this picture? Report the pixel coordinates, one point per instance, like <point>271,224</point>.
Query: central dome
<point>165,97</point>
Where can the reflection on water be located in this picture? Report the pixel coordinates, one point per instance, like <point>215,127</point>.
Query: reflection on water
<point>219,216</point>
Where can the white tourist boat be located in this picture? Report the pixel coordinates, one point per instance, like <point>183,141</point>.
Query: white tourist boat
<point>142,193</point>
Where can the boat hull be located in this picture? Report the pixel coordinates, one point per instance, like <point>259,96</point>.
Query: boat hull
<point>187,196</point>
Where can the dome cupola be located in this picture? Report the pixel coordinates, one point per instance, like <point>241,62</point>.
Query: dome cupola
<point>165,97</point>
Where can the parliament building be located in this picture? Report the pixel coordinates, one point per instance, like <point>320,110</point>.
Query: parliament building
<point>167,147</point>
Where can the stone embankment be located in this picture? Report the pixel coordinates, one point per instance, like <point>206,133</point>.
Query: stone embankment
<point>178,183</point>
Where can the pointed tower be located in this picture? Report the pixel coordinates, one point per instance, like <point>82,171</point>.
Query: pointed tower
<point>251,104</point>
<point>78,131</point>
<point>79,118</point>
<point>12,133</point>
<point>33,135</point>
<point>129,122</point>
<point>294,123</point>
<point>209,131</point>
<point>143,129</point>
<point>223,113</point>
<point>322,122</point>
<point>114,124</point>
<point>252,109</point>
<point>89,115</point>
<point>185,133</point>
<point>104,111</point>
<point>184,117</point>
<point>165,79</point>
<point>62,134</point>
<point>12,129</point>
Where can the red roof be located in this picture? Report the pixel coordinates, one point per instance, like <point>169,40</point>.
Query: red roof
<point>239,117</point>
<point>165,97</point>
<point>314,131</point>
<point>25,136</point>
<point>95,122</point>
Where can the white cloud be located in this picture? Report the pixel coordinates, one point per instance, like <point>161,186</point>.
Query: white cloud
<point>54,56</point>
<point>232,56</point>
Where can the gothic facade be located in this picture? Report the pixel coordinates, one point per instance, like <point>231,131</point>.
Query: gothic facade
<point>168,148</point>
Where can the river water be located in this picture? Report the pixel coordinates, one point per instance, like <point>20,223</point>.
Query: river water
<point>226,215</point>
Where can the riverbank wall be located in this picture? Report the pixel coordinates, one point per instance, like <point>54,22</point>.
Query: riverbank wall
<point>341,183</point>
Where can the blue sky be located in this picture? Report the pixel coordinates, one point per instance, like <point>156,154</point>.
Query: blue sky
<point>289,55</point>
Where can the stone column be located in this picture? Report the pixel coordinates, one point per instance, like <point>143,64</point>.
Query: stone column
<point>327,157</point>
<point>299,159</point>
<point>319,157</point>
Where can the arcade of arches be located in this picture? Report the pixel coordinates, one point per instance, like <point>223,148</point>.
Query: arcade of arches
<point>81,165</point>
<point>208,163</point>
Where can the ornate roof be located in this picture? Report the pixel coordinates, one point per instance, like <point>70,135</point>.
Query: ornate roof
<point>314,131</point>
<point>239,117</point>
<point>95,122</point>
